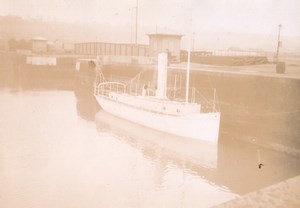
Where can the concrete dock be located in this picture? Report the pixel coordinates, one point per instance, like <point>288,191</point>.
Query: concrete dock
<point>282,194</point>
<point>292,69</point>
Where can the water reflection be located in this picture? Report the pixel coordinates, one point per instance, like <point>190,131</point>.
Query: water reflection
<point>56,158</point>
<point>233,163</point>
<point>154,143</point>
<point>109,155</point>
<point>16,75</point>
<point>86,104</point>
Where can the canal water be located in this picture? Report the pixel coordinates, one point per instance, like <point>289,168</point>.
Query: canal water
<point>59,149</point>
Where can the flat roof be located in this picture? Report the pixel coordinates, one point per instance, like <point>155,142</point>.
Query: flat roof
<point>39,38</point>
<point>164,35</point>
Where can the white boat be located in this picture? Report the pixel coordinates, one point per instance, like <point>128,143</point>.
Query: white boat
<point>157,111</point>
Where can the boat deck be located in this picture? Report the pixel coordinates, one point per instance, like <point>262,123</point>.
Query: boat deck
<point>154,104</point>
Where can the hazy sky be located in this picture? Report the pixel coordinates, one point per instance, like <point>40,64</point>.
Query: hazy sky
<point>244,16</point>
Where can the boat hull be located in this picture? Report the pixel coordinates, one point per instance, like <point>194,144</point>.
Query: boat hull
<point>202,126</point>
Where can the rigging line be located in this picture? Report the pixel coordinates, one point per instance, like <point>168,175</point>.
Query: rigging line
<point>137,75</point>
<point>217,97</point>
<point>218,104</point>
<point>199,93</point>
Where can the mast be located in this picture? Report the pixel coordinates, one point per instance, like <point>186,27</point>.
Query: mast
<point>188,75</point>
<point>136,21</point>
<point>278,43</point>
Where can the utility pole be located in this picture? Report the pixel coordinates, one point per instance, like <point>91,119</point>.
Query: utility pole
<point>278,43</point>
<point>131,24</point>
<point>193,46</point>
<point>136,21</point>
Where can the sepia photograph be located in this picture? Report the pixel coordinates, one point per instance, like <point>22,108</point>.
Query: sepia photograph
<point>149,103</point>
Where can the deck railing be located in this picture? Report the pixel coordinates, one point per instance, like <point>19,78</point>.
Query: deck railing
<point>206,97</point>
<point>106,87</point>
<point>209,103</point>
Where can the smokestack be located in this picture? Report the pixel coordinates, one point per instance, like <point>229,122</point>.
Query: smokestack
<point>161,91</point>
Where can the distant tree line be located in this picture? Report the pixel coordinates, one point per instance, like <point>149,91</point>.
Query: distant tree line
<point>14,44</point>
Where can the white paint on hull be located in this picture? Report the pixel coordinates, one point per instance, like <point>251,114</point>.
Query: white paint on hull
<point>203,126</point>
<point>181,148</point>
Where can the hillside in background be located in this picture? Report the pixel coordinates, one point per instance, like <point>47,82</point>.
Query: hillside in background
<point>20,28</point>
